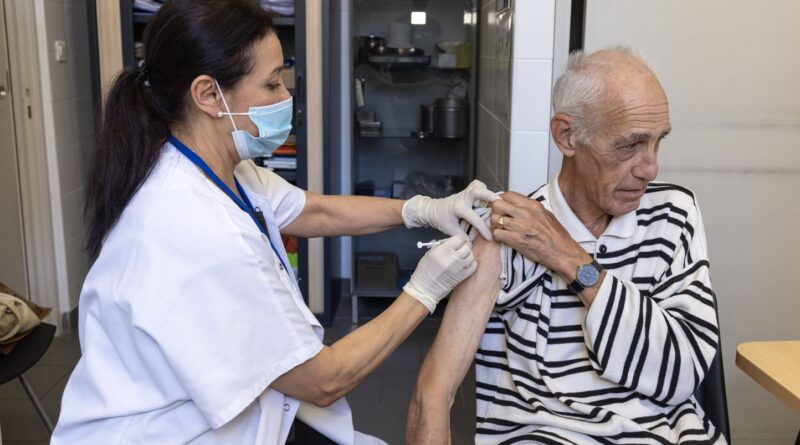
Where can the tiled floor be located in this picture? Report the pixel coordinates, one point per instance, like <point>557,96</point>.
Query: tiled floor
<point>379,404</point>
<point>18,419</point>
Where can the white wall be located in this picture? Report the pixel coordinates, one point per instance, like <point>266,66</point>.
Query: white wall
<point>68,126</point>
<point>515,79</point>
<point>531,87</point>
<point>731,70</point>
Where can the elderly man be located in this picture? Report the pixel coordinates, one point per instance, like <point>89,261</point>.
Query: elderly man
<point>601,318</point>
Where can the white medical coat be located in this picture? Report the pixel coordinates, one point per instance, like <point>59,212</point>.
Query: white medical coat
<point>187,317</point>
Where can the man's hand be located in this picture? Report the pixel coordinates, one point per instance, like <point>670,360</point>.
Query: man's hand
<point>530,229</point>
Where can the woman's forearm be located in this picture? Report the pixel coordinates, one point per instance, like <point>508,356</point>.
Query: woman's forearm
<point>341,367</point>
<point>329,215</point>
<point>360,352</point>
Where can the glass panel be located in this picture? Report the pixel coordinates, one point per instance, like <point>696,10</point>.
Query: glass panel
<point>413,90</point>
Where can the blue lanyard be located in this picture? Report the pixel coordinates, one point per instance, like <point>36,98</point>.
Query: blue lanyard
<point>246,205</point>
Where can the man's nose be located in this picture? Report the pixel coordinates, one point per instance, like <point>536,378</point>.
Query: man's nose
<point>647,167</point>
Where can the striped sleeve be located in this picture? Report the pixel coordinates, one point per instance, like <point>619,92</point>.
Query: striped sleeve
<point>660,343</point>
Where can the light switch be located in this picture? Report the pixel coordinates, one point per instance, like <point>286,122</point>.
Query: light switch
<point>61,50</point>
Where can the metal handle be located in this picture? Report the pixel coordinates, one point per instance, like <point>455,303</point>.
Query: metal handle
<point>3,92</point>
<point>297,119</point>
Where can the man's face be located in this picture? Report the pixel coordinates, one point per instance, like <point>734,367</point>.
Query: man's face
<point>621,159</point>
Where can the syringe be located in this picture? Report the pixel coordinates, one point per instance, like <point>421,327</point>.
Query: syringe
<point>430,244</point>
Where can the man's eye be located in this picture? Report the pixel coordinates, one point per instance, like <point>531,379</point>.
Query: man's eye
<point>640,144</point>
<point>274,86</point>
<point>631,147</point>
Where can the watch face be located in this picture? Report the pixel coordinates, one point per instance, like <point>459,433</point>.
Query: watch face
<point>588,275</point>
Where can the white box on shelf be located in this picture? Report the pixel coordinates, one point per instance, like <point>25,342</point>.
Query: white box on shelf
<point>446,60</point>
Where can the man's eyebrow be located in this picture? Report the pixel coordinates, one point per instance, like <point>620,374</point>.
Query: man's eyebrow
<point>277,70</point>
<point>665,133</point>
<point>632,139</point>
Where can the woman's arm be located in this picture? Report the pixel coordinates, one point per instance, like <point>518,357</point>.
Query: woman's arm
<point>329,215</point>
<point>339,368</point>
<point>325,215</point>
<point>336,370</point>
<point>454,348</point>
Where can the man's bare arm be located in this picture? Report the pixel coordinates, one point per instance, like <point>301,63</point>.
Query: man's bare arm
<point>454,348</point>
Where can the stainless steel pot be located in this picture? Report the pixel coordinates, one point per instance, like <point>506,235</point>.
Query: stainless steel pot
<point>451,118</point>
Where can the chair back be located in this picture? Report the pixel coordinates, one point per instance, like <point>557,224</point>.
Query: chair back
<point>711,396</point>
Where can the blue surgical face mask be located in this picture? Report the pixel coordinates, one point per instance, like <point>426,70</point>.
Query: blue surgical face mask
<point>274,123</point>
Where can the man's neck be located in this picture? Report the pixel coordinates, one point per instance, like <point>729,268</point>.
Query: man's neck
<point>592,217</point>
<point>207,144</point>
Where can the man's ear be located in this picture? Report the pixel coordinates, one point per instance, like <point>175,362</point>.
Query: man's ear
<point>563,134</point>
<point>205,96</point>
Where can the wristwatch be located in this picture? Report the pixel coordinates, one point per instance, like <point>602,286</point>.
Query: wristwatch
<point>588,275</point>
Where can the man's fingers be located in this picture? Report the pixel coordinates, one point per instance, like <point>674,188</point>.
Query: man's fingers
<point>507,237</point>
<point>503,207</point>
<point>509,223</point>
<point>515,198</point>
<point>495,221</point>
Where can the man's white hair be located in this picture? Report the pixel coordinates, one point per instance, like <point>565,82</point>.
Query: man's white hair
<point>580,91</point>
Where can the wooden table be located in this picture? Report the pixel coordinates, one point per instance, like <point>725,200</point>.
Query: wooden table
<point>775,365</point>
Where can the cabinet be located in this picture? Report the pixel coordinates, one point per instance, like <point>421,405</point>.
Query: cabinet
<point>410,58</point>
<point>120,28</point>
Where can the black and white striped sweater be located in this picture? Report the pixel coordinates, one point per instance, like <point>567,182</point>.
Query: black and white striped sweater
<point>622,372</point>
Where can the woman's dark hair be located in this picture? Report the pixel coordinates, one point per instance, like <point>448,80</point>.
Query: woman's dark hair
<point>185,39</point>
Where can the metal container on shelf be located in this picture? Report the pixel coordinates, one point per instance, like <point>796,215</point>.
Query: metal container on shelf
<point>451,117</point>
<point>427,125</point>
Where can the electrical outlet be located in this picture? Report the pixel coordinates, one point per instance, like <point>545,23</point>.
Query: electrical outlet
<point>61,50</point>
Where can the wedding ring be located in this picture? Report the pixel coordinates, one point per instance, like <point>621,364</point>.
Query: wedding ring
<point>500,221</point>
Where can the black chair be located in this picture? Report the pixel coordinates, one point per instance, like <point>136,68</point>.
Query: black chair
<point>711,396</point>
<point>24,355</point>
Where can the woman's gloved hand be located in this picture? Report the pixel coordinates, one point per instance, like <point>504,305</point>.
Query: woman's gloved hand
<point>444,214</point>
<point>440,271</point>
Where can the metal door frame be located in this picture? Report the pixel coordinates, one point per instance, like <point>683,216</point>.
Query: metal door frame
<point>14,211</point>
<point>37,217</point>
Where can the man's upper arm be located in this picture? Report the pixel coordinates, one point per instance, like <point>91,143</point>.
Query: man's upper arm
<point>465,318</point>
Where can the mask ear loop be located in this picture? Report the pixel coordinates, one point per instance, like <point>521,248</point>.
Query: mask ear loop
<point>224,102</point>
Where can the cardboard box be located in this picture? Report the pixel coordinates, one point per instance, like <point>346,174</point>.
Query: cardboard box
<point>376,270</point>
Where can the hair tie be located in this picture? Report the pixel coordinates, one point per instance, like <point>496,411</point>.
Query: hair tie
<point>142,74</point>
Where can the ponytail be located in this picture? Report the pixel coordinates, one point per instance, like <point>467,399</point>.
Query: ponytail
<point>126,149</point>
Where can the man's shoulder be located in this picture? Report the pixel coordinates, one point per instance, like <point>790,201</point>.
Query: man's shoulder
<point>663,193</point>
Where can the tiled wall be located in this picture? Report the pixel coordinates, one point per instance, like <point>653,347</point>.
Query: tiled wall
<point>69,132</point>
<point>516,63</point>
<point>494,95</point>
<point>731,77</point>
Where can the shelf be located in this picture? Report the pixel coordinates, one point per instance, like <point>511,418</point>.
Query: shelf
<point>144,18</point>
<point>379,293</point>
<point>283,21</point>
<point>400,66</point>
<point>409,137</point>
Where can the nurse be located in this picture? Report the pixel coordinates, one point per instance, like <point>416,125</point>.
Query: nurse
<point>192,326</point>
